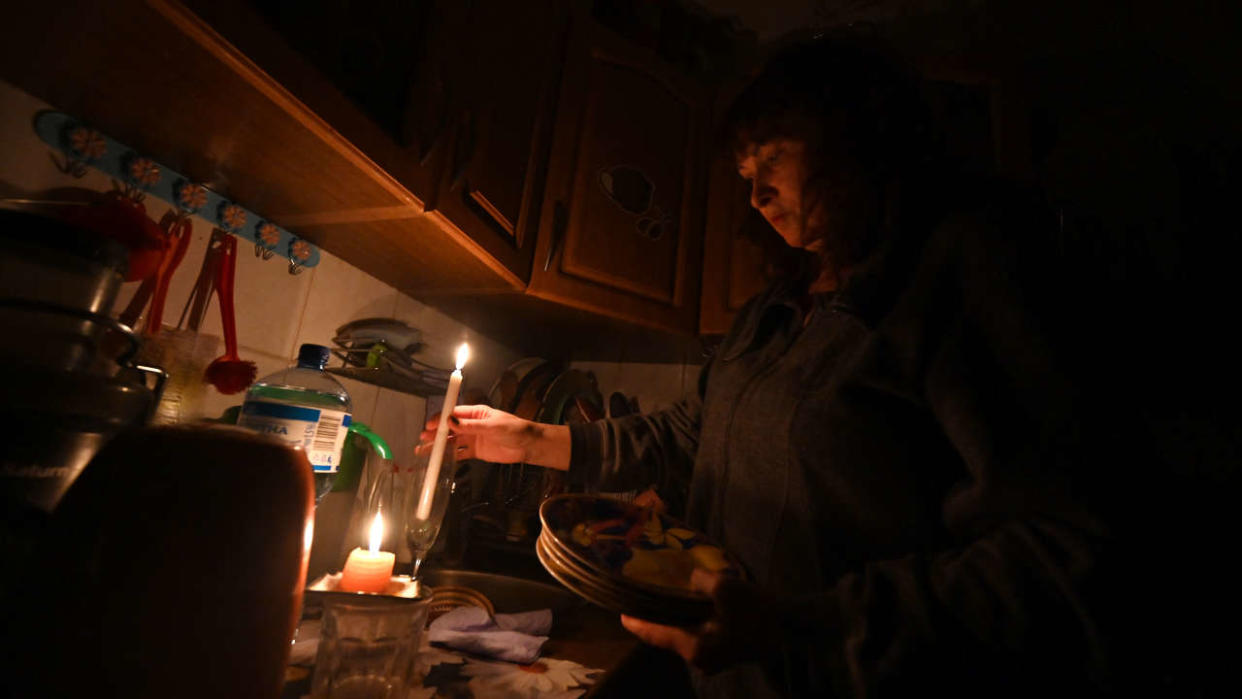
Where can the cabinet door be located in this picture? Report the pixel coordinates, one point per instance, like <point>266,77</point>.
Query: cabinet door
<point>361,67</point>
<point>621,229</point>
<point>506,66</point>
<point>732,260</point>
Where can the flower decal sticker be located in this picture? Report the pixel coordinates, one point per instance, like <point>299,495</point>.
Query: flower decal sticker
<point>300,250</point>
<point>299,253</point>
<point>268,234</point>
<point>232,216</point>
<point>266,237</point>
<point>87,144</point>
<point>191,197</point>
<point>144,172</point>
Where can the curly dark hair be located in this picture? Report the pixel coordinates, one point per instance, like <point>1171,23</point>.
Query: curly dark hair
<point>861,113</point>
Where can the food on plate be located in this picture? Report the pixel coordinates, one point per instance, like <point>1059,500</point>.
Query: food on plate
<point>666,567</point>
<point>709,557</point>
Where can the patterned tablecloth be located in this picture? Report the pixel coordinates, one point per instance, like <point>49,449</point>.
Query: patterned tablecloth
<point>447,673</point>
<point>443,672</point>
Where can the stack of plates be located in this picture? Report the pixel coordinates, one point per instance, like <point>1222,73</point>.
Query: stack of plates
<point>628,558</point>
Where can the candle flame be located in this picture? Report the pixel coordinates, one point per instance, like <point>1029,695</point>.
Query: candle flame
<point>377,533</point>
<point>463,354</point>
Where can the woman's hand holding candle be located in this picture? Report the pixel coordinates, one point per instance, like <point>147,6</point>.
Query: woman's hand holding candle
<point>368,571</point>
<point>493,435</point>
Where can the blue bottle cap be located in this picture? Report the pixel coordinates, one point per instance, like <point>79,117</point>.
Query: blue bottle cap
<point>314,355</point>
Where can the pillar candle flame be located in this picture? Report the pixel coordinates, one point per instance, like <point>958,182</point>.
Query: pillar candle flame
<point>377,533</point>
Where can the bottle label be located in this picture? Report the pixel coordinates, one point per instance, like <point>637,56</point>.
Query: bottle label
<point>320,433</point>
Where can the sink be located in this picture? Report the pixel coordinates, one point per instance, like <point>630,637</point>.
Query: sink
<point>508,594</point>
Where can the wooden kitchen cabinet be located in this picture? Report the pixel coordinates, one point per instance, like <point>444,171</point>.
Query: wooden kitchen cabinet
<point>374,71</point>
<point>621,228</point>
<point>462,92</point>
<point>365,68</point>
<point>504,59</point>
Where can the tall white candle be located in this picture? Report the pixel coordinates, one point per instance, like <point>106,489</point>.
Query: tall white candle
<point>442,433</point>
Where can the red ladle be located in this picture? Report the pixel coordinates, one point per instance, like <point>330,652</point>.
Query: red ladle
<point>229,373</point>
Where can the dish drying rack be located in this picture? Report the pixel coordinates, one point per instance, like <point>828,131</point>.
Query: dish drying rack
<point>388,368</point>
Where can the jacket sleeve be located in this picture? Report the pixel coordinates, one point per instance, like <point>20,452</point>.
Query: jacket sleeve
<point>1015,604</point>
<point>639,451</point>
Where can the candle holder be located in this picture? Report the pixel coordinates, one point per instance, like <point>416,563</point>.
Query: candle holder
<point>368,642</point>
<point>401,589</point>
<point>421,532</point>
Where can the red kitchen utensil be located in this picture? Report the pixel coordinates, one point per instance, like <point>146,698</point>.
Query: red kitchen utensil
<point>180,229</point>
<point>124,220</point>
<point>229,373</point>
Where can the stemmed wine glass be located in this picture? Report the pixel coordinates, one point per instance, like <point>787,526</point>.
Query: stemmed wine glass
<point>421,532</point>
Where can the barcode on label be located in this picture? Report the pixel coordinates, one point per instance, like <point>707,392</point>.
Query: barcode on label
<point>325,433</point>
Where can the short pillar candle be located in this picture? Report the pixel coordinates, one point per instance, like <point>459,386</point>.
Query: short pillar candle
<point>368,570</point>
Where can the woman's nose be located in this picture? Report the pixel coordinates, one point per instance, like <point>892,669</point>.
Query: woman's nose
<point>761,193</point>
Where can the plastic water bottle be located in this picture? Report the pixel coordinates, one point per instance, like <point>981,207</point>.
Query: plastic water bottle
<point>305,407</point>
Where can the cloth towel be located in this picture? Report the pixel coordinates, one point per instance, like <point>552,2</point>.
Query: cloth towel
<point>517,638</point>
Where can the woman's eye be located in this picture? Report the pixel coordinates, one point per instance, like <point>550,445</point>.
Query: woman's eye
<point>773,156</point>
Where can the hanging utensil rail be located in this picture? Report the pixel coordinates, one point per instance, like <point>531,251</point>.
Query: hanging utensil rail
<point>82,146</point>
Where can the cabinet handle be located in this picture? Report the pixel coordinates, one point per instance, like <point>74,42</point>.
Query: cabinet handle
<point>559,221</point>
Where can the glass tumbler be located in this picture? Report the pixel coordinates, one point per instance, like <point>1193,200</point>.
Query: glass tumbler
<point>421,532</point>
<point>367,647</point>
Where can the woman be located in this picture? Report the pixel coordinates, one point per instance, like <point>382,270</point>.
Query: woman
<point>884,438</point>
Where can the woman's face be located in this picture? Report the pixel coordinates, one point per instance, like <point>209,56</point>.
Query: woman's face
<point>777,170</point>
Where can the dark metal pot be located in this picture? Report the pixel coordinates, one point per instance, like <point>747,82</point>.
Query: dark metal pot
<point>58,284</point>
